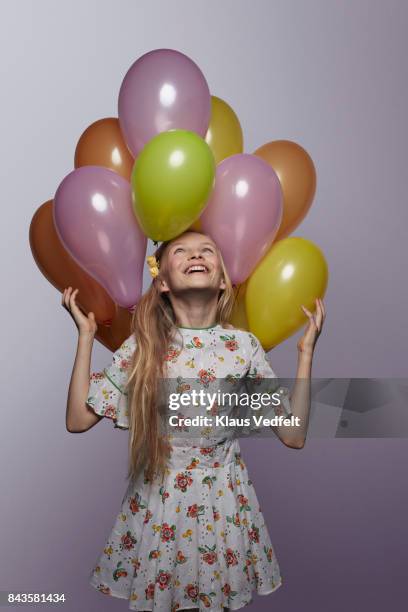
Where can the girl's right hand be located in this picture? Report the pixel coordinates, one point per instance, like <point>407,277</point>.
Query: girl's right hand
<point>86,324</point>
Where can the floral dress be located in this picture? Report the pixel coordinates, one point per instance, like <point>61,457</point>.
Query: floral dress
<point>199,539</point>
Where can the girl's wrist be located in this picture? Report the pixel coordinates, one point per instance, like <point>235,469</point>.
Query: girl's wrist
<point>306,354</point>
<point>86,337</point>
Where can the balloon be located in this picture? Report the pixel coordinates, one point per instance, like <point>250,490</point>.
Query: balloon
<point>94,220</point>
<point>112,337</point>
<point>297,176</point>
<point>224,135</point>
<point>238,316</point>
<point>243,213</point>
<point>102,144</point>
<point>292,273</point>
<point>196,226</point>
<point>172,180</point>
<point>62,271</point>
<point>162,90</point>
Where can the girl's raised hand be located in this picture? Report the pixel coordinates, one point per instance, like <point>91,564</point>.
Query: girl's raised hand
<point>86,324</point>
<point>307,342</point>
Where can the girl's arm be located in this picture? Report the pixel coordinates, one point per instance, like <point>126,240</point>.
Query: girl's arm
<point>295,436</point>
<point>79,417</point>
<point>300,399</point>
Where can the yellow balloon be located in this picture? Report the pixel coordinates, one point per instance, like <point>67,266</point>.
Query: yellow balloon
<point>238,316</point>
<point>224,134</point>
<point>293,273</point>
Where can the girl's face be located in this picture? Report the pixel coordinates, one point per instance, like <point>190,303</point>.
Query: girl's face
<point>191,262</point>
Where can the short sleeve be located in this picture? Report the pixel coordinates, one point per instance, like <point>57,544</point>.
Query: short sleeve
<point>107,395</point>
<point>262,379</point>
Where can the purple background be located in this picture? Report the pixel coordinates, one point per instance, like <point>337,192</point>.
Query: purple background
<point>328,75</point>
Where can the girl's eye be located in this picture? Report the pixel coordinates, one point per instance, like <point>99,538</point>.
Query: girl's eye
<point>208,249</point>
<point>178,249</point>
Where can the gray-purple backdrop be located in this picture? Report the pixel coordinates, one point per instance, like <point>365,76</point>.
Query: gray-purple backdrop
<point>326,74</point>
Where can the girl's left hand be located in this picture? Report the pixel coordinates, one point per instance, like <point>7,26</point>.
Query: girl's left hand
<point>307,342</point>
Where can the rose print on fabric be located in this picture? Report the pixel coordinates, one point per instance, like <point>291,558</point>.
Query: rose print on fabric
<point>228,592</point>
<point>208,555</point>
<point>181,558</point>
<point>254,533</point>
<point>135,504</point>
<point>195,343</point>
<point>194,463</point>
<point>150,591</point>
<point>168,532</point>
<point>172,354</point>
<point>230,557</point>
<point>191,592</point>
<point>163,494</point>
<point>128,541</point>
<point>197,538</point>
<point>182,386</point>
<point>243,503</point>
<point>182,481</point>
<point>119,572</point>
<point>163,579</point>
<point>136,565</point>
<point>205,377</point>
<point>234,519</point>
<point>230,342</point>
<point>195,511</point>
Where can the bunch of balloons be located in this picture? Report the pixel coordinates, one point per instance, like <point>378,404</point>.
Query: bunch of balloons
<point>173,160</point>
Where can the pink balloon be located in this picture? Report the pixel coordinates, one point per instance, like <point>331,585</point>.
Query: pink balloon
<point>94,219</point>
<point>244,212</point>
<point>162,90</point>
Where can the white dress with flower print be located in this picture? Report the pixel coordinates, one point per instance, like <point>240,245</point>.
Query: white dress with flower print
<point>199,539</point>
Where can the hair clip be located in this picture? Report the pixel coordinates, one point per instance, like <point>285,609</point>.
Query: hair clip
<point>153,265</point>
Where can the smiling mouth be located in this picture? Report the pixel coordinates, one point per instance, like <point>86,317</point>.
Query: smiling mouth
<point>197,268</point>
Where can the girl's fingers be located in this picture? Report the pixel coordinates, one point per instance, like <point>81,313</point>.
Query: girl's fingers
<point>66,297</point>
<point>322,311</point>
<point>312,317</point>
<point>309,314</point>
<point>72,302</point>
<point>323,308</point>
<point>319,314</point>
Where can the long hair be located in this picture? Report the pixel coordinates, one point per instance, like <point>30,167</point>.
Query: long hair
<point>153,325</point>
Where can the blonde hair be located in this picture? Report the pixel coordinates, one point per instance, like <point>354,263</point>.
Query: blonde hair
<point>153,325</point>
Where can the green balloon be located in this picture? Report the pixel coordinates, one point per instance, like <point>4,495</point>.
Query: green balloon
<point>172,179</point>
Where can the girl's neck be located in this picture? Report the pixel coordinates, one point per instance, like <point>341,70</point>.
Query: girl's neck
<point>195,314</point>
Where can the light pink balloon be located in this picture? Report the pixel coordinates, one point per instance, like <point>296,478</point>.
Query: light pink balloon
<point>94,219</point>
<point>162,90</point>
<point>244,212</point>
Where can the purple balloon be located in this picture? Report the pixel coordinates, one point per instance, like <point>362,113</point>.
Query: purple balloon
<point>162,90</point>
<point>94,219</point>
<point>244,212</point>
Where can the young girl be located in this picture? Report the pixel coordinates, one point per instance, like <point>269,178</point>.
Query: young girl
<point>190,534</point>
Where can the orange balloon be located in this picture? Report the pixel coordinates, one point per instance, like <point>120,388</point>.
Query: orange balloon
<point>196,226</point>
<point>62,271</point>
<point>238,316</point>
<point>102,144</point>
<point>297,176</point>
<point>112,337</point>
